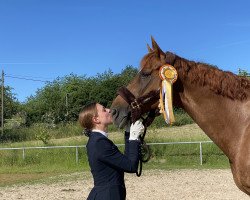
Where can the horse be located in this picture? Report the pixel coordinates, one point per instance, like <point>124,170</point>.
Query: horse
<point>218,101</point>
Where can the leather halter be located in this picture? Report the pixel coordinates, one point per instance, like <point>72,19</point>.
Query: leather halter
<point>139,105</point>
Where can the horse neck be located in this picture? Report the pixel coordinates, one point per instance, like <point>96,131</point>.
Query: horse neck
<point>213,113</point>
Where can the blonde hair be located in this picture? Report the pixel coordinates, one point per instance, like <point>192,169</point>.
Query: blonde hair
<point>85,117</point>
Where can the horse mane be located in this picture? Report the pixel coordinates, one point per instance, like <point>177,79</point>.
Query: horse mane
<point>221,82</point>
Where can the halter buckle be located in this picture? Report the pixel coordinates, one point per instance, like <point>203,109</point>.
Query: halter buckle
<point>135,105</point>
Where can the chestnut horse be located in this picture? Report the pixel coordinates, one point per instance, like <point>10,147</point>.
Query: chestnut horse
<point>218,101</point>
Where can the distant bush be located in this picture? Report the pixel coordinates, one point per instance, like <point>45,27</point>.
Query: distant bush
<point>43,134</point>
<point>181,118</point>
<point>47,131</point>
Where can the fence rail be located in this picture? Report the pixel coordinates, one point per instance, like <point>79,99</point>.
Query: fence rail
<point>84,146</point>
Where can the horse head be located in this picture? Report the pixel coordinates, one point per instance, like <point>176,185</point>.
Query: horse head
<point>145,82</point>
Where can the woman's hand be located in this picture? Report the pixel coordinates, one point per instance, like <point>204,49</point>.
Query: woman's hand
<point>136,129</point>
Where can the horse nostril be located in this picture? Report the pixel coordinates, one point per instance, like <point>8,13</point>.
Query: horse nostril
<point>113,111</point>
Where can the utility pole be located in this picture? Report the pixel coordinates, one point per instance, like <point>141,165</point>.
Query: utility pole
<point>2,119</point>
<point>67,105</point>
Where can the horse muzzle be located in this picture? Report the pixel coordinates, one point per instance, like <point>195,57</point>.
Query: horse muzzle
<point>121,116</point>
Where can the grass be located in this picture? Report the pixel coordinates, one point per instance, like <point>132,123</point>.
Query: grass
<point>39,164</point>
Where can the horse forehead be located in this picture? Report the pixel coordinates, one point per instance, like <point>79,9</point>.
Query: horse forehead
<point>144,63</point>
<point>149,63</point>
<point>149,58</point>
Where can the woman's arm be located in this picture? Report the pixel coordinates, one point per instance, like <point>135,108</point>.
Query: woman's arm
<point>109,154</point>
<point>126,141</point>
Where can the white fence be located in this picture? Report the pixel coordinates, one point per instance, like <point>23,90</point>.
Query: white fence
<point>24,149</point>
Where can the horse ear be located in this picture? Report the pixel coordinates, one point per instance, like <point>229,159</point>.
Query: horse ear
<point>154,44</point>
<point>149,49</point>
<point>156,47</point>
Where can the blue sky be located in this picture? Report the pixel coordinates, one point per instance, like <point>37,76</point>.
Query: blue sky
<point>46,39</point>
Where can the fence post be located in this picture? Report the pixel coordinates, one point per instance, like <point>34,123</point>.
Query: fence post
<point>200,153</point>
<point>23,153</point>
<point>77,154</point>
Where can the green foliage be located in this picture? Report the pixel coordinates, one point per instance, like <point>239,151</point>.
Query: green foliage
<point>41,131</point>
<point>242,72</point>
<point>43,134</point>
<point>11,105</point>
<point>181,118</point>
<point>64,130</point>
<point>62,99</point>
<point>18,120</point>
<point>44,160</point>
<point>8,135</point>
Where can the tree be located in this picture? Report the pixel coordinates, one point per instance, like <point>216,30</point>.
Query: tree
<point>242,72</point>
<point>62,99</point>
<point>128,74</point>
<point>11,105</point>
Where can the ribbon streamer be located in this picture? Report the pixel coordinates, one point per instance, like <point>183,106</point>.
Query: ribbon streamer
<point>168,74</point>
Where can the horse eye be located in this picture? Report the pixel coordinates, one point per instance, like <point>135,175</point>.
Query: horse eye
<point>145,74</point>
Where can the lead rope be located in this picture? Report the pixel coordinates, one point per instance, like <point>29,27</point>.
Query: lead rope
<point>141,137</point>
<point>144,152</point>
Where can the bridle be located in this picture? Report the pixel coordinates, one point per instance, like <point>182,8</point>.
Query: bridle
<point>138,106</point>
<point>138,109</point>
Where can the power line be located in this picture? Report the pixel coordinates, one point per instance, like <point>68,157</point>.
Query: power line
<point>27,79</point>
<point>32,77</point>
<point>2,116</point>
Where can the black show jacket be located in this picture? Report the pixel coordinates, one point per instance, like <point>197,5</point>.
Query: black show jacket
<point>108,165</point>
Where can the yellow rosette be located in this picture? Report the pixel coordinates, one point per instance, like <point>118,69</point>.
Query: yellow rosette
<point>168,75</point>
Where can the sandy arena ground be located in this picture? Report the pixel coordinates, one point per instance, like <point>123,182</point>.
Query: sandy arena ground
<point>153,184</point>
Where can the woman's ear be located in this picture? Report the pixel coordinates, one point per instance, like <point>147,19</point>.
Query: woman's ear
<point>95,120</point>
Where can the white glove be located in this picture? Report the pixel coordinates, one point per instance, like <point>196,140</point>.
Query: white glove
<point>136,129</point>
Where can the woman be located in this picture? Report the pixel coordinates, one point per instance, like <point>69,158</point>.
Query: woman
<point>107,163</point>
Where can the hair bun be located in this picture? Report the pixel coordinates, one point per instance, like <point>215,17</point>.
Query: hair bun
<point>86,132</point>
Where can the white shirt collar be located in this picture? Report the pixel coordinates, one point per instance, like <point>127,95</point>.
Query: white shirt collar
<point>99,131</point>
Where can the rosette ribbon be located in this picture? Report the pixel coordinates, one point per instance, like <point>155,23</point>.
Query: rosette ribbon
<point>168,75</point>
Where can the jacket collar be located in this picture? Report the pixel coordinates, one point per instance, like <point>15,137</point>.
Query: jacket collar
<point>99,131</point>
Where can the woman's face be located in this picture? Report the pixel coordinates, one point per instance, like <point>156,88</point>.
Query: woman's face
<point>104,115</point>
